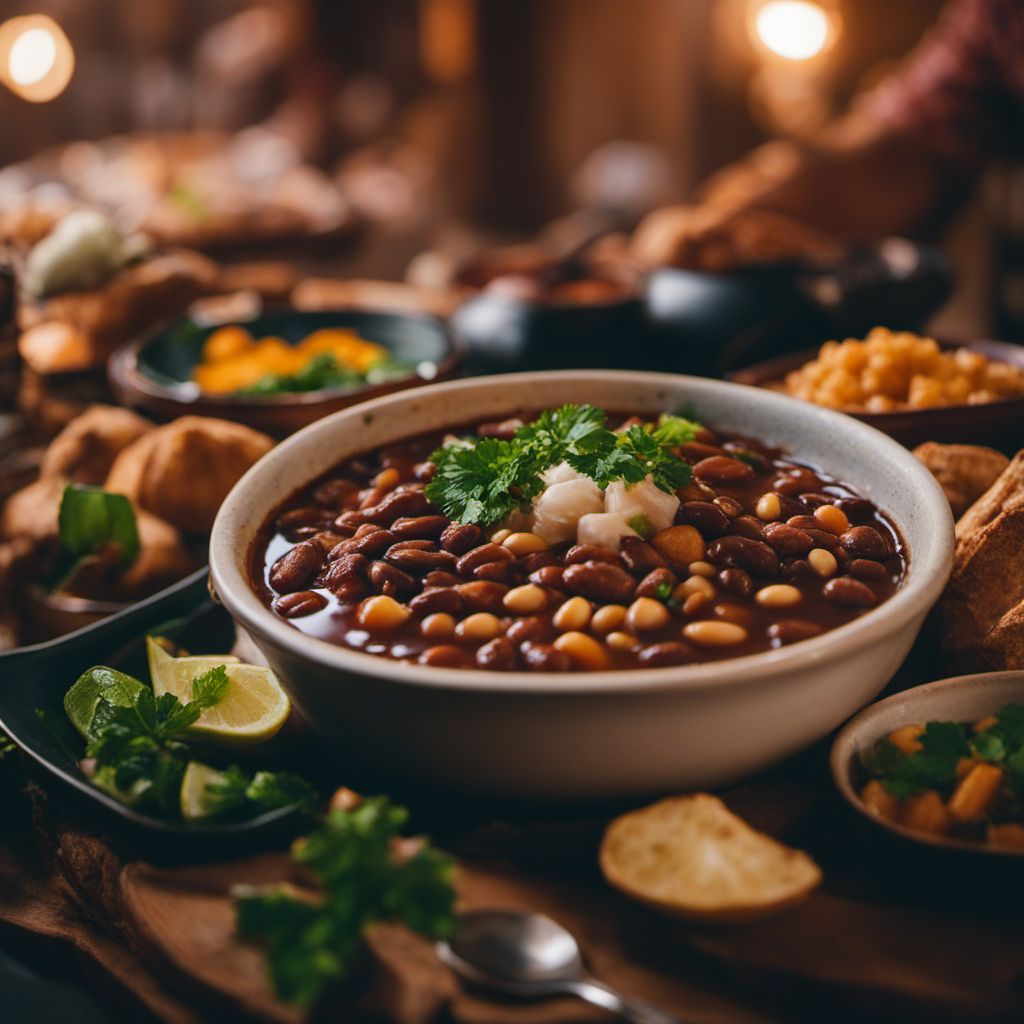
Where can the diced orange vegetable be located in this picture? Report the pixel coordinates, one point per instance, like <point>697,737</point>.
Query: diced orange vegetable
<point>963,766</point>
<point>878,800</point>
<point>925,813</point>
<point>1006,837</point>
<point>225,342</point>
<point>907,738</point>
<point>974,795</point>
<point>984,724</point>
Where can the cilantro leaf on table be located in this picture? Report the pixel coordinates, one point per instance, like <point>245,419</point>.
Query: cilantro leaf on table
<point>484,480</point>
<point>931,767</point>
<point>356,857</point>
<point>92,521</point>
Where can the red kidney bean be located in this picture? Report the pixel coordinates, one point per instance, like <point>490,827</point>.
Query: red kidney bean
<point>669,652</point>
<point>658,583</point>
<point>694,451</point>
<point>419,562</point>
<point>743,553</point>
<point>730,506</point>
<point>342,570</point>
<point>797,571</point>
<point>404,503</point>
<point>640,557</point>
<point>415,544</point>
<point>788,540</point>
<point>736,582</point>
<point>296,569</point>
<point>480,556</point>
<point>351,591</point>
<point>865,542</point>
<point>589,553</point>
<point>337,494</point>
<point>537,560</point>
<point>349,521</point>
<point>499,572</point>
<point>326,541</point>
<point>296,518</point>
<point>483,596</point>
<point>373,545</point>
<point>734,613</point>
<point>302,602</point>
<point>545,658</point>
<point>387,579</point>
<point>856,508</point>
<point>707,517</point>
<point>438,599</point>
<point>789,631</point>
<point>848,592</point>
<point>548,576</point>
<point>531,629</point>
<point>813,500</point>
<point>371,497</point>
<point>748,526</point>
<point>458,538</point>
<point>419,527</point>
<point>600,581</point>
<point>498,655</point>
<point>446,656</point>
<point>720,469</point>
<point>866,569</point>
<point>440,578</point>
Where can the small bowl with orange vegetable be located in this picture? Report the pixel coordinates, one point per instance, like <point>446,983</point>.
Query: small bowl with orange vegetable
<point>284,369</point>
<point>940,769</point>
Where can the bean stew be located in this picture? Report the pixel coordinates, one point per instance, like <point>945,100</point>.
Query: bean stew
<point>564,545</point>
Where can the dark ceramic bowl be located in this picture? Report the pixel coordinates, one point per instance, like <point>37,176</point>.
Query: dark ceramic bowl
<point>36,678</point>
<point>154,373</point>
<point>902,850</point>
<point>711,324</point>
<point>998,424</point>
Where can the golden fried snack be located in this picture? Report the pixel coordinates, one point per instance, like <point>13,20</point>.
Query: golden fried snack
<point>86,448</point>
<point>182,472</point>
<point>982,609</point>
<point>132,300</point>
<point>31,513</point>
<point>163,559</point>
<point>965,471</point>
<point>703,238</point>
<point>692,857</point>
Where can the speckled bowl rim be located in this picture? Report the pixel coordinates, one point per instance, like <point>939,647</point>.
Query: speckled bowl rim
<point>845,749</point>
<point>928,568</point>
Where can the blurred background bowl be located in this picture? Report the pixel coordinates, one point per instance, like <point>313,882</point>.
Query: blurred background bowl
<point>992,423</point>
<point>154,373</point>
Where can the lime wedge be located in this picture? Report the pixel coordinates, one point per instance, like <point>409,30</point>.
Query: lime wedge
<point>255,708</point>
<point>92,686</point>
<point>195,800</point>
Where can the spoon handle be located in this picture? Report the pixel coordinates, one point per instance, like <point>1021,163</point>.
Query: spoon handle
<point>635,1010</point>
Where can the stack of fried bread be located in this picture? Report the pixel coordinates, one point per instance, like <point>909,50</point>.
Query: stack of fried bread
<point>982,610</point>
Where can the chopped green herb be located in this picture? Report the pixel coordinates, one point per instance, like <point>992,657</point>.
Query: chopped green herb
<point>263,791</point>
<point>641,524</point>
<point>356,857</point>
<point>931,767</point>
<point>324,371</point>
<point>488,479</point>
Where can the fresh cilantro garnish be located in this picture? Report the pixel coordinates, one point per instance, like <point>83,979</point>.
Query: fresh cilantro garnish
<point>264,791</point>
<point>91,522</point>
<point>675,430</point>
<point>488,479</point>
<point>641,524</point>
<point>931,767</point>
<point>364,875</point>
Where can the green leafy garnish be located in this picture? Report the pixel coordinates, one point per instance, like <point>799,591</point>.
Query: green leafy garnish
<point>324,371</point>
<point>641,524</point>
<point>92,521</point>
<point>931,767</point>
<point>356,856</point>
<point>486,479</point>
<point>263,791</point>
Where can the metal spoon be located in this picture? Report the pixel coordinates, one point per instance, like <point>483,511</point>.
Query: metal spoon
<point>531,956</point>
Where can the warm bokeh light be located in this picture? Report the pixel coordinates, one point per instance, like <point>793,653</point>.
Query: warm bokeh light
<point>36,59</point>
<point>793,29</point>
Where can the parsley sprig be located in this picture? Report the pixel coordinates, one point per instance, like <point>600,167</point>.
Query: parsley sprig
<point>484,480</point>
<point>365,872</point>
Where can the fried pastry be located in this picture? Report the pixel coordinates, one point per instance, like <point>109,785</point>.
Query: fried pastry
<point>965,471</point>
<point>982,609</point>
<point>183,471</point>
<point>86,448</point>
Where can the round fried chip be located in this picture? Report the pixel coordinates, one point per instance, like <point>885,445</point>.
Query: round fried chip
<point>692,857</point>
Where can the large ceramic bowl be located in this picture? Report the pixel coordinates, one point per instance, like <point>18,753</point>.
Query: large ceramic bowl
<point>602,733</point>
